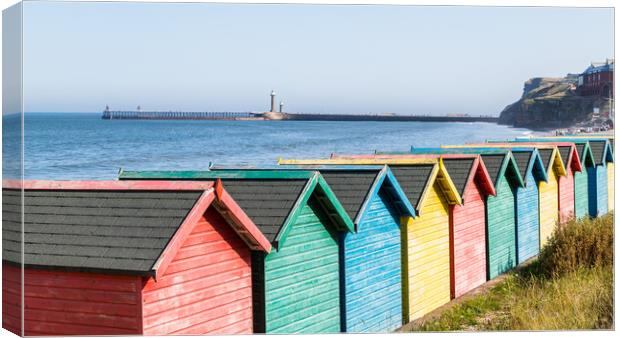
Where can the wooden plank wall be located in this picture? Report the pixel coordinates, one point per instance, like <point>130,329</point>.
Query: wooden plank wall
<point>302,279</point>
<point>468,266</point>
<point>74,303</point>
<point>610,186</point>
<point>597,191</point>
<point>12,298</point>
<point>501,229</point>
<point>581,193</point>
<point>372,270</point>
<point>566,192</point>
<point>207,288</point>
<point>528,220</point>
<point>429,256</point>
<point>548,206</point>
<point>601,189</point>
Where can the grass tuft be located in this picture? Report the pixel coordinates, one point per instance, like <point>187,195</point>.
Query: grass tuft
<point>569,287</point>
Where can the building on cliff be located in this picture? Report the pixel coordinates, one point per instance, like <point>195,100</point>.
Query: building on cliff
<point>598,79</point>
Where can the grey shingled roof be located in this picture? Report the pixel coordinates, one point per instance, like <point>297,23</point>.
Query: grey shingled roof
<point>580,148</point>
<point>523,159</point>
<point>545,156</point>
<point>351,187</point>
<point>268,202</point>
<point>598,151</point>
<point>493,162</point>
<point>565,154</point>
<point>412,179</point>
<point>459,169</point>
<point>122,231</point>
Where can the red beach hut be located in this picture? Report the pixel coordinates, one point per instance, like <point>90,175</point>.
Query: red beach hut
<point>127,257</point>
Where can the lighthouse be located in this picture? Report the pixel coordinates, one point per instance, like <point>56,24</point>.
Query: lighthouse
<point>273,101</point>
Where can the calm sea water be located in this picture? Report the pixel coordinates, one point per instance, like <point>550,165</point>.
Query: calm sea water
<point>82,146</point>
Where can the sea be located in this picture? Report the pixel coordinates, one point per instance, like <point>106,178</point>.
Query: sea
<point>60,146</point>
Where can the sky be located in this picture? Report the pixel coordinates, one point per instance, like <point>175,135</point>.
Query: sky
<point>80,57</point>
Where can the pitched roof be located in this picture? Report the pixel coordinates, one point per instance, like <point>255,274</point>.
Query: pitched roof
<point>565,153</point>
<point>580,148</point>
<point>523,160</point>
<point>413,179</point>
<point>269,197</point>
<point>351,187</point>
<point>268,202</point>
<point>125,227</point>
<point>546,156</point>
<point>598,150</point>
<point>459,170</point>
<point>493,162</point>
<point>105,230</point>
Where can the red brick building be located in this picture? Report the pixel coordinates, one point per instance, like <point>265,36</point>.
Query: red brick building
<point>598,79</point>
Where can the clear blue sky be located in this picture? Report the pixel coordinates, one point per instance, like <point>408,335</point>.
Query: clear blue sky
<point>318,58</point>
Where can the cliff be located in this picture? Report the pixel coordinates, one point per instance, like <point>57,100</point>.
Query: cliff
<point>551,103</point>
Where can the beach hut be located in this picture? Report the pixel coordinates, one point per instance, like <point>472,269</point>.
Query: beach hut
<point>467,220</point>
<point>501,209</point>
<point>371,261</point>
<point>425,239</point>
<point>126,258</point>
<point>296,287</point>
<point>603,158</point>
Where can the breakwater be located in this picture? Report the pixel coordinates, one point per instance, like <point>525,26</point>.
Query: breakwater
<point>276,116</point>
<point>175,115</point>
<point>389,118</point>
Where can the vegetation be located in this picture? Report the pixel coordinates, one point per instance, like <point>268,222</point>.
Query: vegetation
<point>570,286</point>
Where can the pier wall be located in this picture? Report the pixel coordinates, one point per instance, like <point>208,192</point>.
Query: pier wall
<point>275,116</point>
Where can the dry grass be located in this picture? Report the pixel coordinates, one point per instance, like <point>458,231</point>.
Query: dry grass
<point>569,287</point>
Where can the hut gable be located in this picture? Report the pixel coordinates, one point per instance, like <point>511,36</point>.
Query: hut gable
<point>601,151</point>
<point>523,159</point>
<point>267,202</point>
<point>356,188</point>
<point>565,152</point>
<point>460,171</point>
<point>413,180</point>
<point>493,162</point>
<point>546,156</point>
<point>502,164</point>
<point>530,160</point>
<point>351,187</point>
<point>580,149</point>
